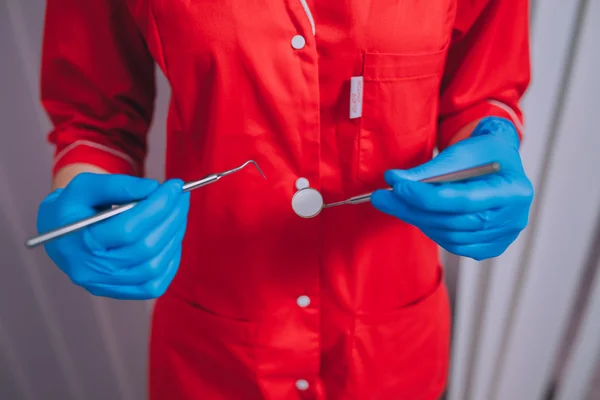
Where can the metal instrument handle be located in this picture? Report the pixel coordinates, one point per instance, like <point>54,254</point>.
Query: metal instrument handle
<point>58,232</point>
<point>188,186</point>
<point>455,176</point>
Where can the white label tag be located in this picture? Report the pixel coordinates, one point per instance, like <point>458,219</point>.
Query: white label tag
<point>356,96</point>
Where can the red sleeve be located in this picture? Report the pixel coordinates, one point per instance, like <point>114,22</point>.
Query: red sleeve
<point>97,85</point>
<point>488,65</point>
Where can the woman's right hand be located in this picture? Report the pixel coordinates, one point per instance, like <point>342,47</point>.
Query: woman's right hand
<point>133,255</point>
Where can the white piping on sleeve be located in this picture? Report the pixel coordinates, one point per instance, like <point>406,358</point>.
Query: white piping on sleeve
<point>98,146</point>
<point>510,112</point>
<point>309,15</point>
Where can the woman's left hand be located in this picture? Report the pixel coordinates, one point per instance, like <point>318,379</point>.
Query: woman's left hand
<point>478,218</point>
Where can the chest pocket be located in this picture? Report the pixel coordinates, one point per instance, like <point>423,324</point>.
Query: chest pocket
<point>400,105</point>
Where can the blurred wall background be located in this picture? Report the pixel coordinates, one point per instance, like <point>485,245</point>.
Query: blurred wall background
<point>526,325</point>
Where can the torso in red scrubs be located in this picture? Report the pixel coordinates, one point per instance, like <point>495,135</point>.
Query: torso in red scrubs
<point>268,305</point>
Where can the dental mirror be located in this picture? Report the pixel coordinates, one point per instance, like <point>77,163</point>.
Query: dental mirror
<point>306,202</point>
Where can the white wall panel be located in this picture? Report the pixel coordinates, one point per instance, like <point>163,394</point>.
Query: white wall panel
<point>563,235</point>
<point>465,321</point>
<point>14,380</point>
<point>581,366</point>
<point>25,18</point>
<point>551,38</point>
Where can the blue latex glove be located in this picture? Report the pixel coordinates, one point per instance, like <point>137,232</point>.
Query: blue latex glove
<point>478,218</point>
<point>133,255</point>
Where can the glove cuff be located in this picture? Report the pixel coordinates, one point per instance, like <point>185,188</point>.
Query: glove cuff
<point>500,127</point>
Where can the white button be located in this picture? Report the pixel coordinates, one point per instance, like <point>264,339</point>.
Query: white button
<point>302,183</point>
<point>303,301</point>
<point>301,384</point>
<point>298,42</point>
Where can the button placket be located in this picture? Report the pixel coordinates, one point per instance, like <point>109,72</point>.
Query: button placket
<point>306,200</point>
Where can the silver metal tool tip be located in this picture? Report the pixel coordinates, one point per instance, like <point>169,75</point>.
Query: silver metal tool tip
<point>231,171</point>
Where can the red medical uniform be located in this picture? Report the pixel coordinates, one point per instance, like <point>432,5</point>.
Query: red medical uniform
<point>267,305</point>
